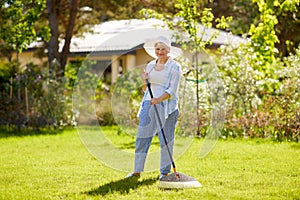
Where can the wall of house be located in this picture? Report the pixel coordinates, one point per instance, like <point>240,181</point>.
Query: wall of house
<point>27,57</point>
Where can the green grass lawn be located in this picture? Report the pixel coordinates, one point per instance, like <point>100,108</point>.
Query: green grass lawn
<point>58,166</point>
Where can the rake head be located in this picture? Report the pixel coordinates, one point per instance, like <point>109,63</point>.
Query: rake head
<point>178,181</point>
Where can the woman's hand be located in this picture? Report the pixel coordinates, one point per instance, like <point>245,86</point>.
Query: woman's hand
<point>160,99</point>
<point>144,74</point>
<point>155,101</point>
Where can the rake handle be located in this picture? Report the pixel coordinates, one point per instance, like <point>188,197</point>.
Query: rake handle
<point>161,128</point>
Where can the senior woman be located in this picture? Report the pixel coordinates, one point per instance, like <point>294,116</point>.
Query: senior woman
<point>164,75</point>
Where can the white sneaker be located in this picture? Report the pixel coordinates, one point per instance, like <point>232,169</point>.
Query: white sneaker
<point>162,175</point>
<point>133,175</point>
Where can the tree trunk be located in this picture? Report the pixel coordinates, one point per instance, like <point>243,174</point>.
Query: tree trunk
<point>53,17</point>
<point>69,34</point>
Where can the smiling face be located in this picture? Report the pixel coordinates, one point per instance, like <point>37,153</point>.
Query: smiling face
<point>162,51</point>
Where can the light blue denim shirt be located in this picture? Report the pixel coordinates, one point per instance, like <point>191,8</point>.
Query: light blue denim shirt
<point>170,85</point>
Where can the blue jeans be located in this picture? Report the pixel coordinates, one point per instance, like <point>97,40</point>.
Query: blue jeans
<point>148,127</point>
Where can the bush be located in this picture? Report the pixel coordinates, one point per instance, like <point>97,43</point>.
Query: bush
<point>268,107</point>
<point>46,97</point>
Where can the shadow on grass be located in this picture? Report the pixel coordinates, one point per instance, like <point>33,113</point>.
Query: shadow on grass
<point>131,145</point>
<point>122,186</point>
<point>13,132</point>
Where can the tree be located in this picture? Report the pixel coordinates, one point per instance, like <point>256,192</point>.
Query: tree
<point>129,9</point>
<point>288,27</point>
<point>243,13</point>
<point>55,11</point>
<point>67,18</point>
<point>17,24</point>
<point>247,12</point>
<point>18,19</point>
<point>264,33</point>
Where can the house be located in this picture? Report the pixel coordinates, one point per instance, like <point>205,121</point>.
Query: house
<point>117,46</point>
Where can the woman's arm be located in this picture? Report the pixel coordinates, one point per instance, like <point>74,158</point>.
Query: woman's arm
<point>144,77</point>
<point>160,99</point>
<point>174,81</point>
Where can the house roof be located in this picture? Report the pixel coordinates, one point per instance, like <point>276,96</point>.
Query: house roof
<point>126,35</point>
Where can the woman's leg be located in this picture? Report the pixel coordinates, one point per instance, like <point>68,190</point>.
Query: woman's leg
<point>169,129</point>
<point>146,131</point>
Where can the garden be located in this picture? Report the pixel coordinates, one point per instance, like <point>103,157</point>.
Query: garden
<point>55,116</point>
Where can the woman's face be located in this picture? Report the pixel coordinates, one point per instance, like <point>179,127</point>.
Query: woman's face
<point>161,50</point>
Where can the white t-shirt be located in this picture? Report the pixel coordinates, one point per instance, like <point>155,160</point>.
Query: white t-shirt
<point>158,78</point>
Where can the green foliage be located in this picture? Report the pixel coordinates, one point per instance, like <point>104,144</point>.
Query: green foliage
<point>52,106</point>
<point>287,116</point>
<point>243,13</point>
<point>261,89</point>
<point>90,97</point>
<point>7,70</point>
<point>186,23</point>
<point>263,36</point>
<point>7,86</point>
<point>247,12</point>
<point>223,22</point>
<point>239,77</point>
<point>260,107</point>
<point>18,20</point>
<point>187,122</point>
<point>51,95</point>
<point>287,5</point>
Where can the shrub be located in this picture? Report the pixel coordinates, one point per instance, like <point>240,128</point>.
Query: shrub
<point>46,97</point>
<point>266,107</point>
